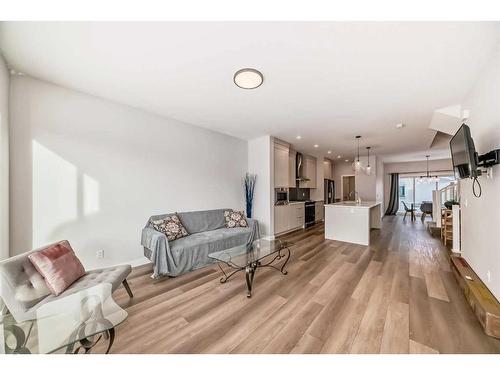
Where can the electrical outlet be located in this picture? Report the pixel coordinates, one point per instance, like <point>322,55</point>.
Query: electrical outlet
<point>100,254</point>
<point>488,276</point>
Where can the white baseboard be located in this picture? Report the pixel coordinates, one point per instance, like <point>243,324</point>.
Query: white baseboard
<point>139,262</point>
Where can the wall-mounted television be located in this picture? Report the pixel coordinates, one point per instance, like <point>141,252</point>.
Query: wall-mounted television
<point>463,154</point>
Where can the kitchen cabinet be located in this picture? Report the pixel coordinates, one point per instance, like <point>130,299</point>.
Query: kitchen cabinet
<point>297,216</point>
<point>328,169</point>
<point>309,172</point>
<point>292,173</point>
<point>319,209</point>
<point>288,217</point>
<point>281,168</point>
<point>281,214</point>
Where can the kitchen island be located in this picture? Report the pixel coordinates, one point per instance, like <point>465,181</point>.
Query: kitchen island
<point>351,222</point>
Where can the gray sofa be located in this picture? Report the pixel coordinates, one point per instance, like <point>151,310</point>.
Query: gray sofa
<point>23,290</point>
<point>207,234</point>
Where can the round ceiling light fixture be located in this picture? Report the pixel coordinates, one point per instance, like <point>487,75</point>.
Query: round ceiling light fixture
<point>248,78</point>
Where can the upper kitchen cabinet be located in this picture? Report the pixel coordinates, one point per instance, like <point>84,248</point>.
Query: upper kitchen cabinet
<point>328,169</point>
<point>309,172</point>
<point>281,167</point>
<point>292,173</point>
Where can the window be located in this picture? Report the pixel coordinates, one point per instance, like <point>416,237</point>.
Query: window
<point>413,191</point>
<point>406,186</point>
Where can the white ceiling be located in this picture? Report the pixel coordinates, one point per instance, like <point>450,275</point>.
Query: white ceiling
<point>325,81</point>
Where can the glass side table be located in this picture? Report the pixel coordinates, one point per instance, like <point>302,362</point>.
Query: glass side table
<point>71,324</point>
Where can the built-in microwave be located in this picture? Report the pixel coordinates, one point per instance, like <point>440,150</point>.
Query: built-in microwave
<point>280,196</point>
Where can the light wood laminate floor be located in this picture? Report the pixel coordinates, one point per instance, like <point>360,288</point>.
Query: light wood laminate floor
<point>395,296</point>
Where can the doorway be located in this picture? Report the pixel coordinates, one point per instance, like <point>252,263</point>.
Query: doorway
<point>348,187</point>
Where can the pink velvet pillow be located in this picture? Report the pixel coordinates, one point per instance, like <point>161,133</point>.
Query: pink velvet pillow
<point>58,265</point>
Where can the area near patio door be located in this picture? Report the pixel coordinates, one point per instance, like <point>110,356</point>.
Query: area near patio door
<point>411,190</point>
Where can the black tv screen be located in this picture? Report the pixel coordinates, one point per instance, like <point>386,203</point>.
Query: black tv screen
<point>463,153</point>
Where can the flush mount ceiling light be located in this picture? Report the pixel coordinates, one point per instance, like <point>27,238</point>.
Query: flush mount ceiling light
<point>316,146</point>
<point>329,152</point>
<point>298,137</point>
<point>248,78</point>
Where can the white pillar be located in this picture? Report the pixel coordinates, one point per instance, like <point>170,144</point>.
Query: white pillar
<point>456,228</point>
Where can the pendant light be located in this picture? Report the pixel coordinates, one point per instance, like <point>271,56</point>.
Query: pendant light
<point>427,177</point>
<point>356,165</point>
<point>368,169</point>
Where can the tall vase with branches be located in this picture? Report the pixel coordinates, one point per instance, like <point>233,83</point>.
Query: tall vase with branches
<point>249,190</point>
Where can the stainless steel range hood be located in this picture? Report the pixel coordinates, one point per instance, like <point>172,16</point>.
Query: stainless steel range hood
<point>299,168</point>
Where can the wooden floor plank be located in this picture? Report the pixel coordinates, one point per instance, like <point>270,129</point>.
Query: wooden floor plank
<point>370,332</point>
<point>291,333</point>
<point>396,334</point>
<point>417,348</point>
<point>435,287</point>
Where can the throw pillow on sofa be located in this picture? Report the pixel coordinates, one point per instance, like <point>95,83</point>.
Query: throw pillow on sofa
<point>58,265</point>
<point>235,219</point>
<point>171,226</point>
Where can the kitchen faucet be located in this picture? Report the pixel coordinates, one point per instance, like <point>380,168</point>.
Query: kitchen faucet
<point>358,199</point>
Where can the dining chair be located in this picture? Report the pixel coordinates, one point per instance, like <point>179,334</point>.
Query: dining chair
<point>408,210</point>
<point>426,208</point>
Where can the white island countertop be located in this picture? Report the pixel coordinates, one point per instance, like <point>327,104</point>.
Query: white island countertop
<point>353,204</point>
<point>351,222</point>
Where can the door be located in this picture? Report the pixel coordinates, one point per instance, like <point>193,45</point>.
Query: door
<point>348,188</point>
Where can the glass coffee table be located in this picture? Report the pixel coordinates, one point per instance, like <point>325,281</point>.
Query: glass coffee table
<point>261,253</point>
<point>72,324</point>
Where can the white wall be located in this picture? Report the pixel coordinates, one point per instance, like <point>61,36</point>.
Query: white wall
<point>379,184</point>
<point>365,185</point>
<point>340,168</point>
<point>4,160</point>
<point>481,216</point>
<point>92,171</point>
<point>411,167</point>
<point>260,162</point>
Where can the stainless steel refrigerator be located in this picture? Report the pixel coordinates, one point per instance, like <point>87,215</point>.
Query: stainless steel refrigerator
<point>329,191</point>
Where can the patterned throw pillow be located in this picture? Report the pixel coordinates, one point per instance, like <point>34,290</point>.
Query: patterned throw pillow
<point>171,226</point>
<point>235,219</point>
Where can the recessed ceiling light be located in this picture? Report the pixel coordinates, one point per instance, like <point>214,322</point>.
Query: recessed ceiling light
<point>248,78</point>
<point>400,125</point>
<point>298,137</point>
<point>339,156</point>
<point>347,160</point>
<point>329,152</point>
<point>316,146</point>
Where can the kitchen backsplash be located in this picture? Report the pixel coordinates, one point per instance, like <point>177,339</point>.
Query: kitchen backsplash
<point>300,194</point>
